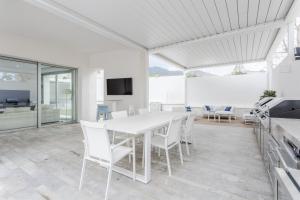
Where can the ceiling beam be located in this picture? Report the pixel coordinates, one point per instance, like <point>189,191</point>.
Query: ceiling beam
<point>170,61</point>
<point>71,15</point>
<point>225,64</point>
<point>260,27</point>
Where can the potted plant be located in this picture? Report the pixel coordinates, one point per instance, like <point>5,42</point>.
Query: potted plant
<point>268,93</point>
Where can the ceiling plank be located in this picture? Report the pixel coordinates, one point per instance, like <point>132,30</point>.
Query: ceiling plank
<point>252,12</point>
<point>213,15</point>
<point>264,8</point>
<point>274,9</point>
<point>243,12</point>
<point>224,16</point>
<point>232,6</point>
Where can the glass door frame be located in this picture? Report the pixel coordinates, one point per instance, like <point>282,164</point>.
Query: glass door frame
<point>74,74</point>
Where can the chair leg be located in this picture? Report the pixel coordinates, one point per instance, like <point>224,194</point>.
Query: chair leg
<point>133,159</point>
<point>187,145</point>
<point>82,173</point>
<point>180,153</point>
<point>108,182</point>
<point>168,162</point>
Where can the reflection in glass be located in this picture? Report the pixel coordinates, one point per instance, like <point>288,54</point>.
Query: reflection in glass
<point>18,94</point>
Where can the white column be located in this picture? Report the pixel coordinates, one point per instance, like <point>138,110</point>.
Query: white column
<point>291,37</point>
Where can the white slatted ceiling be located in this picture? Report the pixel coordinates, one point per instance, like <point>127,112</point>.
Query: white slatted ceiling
<point>233,49</point>
<point>157,23</point>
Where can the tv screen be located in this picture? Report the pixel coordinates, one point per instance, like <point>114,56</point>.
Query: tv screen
<point>119,86</point>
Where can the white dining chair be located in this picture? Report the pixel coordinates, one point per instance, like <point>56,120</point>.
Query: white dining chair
<point>169,140</point>
<point>187,136</point>
<point>155,107</point>
<point>143,111</point>
<point>97,148</point>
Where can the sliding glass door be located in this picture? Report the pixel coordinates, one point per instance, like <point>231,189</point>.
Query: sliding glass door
<point>18,94</point>
<point>34,94</point>
<point>57,94</point>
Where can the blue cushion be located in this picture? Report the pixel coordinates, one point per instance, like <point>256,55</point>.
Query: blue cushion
<point>207,108</point>
<point>188,109</point>
<point>228,108</point>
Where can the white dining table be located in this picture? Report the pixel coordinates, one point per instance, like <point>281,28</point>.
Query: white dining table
<point>137,125</point>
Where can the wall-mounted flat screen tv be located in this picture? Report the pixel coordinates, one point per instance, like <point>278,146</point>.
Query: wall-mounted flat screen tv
<point>119,86</point>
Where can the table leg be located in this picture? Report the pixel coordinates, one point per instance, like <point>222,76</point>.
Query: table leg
<point>147,156</point>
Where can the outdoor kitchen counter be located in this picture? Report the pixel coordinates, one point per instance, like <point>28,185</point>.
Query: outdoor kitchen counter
<point>291,128</point>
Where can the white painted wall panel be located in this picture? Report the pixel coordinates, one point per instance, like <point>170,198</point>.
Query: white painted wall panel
<point>238,90</point>
<point>167,89</point>
<point>285,78</point>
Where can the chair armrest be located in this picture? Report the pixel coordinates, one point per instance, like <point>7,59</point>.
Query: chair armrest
<point>120,143</point>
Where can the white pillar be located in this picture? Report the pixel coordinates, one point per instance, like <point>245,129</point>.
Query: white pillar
<point>291,39</point>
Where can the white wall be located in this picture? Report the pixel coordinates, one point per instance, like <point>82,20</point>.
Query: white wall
<point>41,50</point>
<point>116,64</point>
<point>285,78</point>
<point>167,89</point>
<point>238,90</point>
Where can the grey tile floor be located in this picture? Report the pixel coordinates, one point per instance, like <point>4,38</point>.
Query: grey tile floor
<point>45,164</point>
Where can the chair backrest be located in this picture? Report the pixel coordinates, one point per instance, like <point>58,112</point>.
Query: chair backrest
<point>155,107</point>
<point>190,122</point>
<point>178,109</point>
<point>96,141</point>
<point>131,110</point>
<point>119,114</point>
<point>174,129</point>
<point>143,111</point>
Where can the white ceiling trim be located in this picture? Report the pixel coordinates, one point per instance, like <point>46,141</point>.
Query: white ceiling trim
<point>226,63</point>
<point>91,25</point>
<point>261,27</point>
